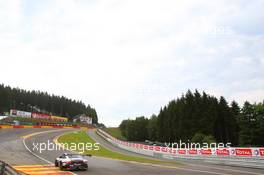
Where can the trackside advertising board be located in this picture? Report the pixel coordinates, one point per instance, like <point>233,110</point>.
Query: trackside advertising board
<point>40,115</point>
<point>17,113</point>
<point>59,119</point>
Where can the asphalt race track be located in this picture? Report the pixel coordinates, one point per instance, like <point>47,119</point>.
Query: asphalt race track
<point>14,152</point>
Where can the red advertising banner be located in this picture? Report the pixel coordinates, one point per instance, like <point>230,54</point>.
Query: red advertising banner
<point>182,151</point>
<point>206,152</point>
<point>243,152</point>
<point>40,115</point>
<point>157,148</point>
<point>261,152</point>
<point>164,149</point>
<point>222,152</point>
<point>146,147</point>
<point>193,152</point>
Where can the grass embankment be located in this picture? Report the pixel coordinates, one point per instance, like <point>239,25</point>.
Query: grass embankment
<point>115,132</point>
<point>82,137</point>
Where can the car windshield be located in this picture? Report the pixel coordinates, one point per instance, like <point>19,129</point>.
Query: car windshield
<point>75,156</point>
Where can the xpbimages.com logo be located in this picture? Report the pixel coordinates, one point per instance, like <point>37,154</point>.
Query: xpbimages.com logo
<point>78,147</point>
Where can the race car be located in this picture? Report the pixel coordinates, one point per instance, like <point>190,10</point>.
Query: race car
<point>71,162</point>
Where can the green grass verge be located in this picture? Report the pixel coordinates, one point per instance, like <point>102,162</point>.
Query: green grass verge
<point>115,132</point>
<point>82,137</point>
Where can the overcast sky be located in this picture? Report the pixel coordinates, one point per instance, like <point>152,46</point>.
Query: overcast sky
<point>130,57</point>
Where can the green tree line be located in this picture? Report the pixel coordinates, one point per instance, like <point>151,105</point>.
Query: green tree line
<point>32,101</point>
<point>200,117</point>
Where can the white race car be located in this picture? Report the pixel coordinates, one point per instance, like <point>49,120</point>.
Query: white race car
<point>71,162</point>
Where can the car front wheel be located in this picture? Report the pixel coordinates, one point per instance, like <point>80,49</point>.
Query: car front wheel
<point>61,167</point>
<point>56,163</point>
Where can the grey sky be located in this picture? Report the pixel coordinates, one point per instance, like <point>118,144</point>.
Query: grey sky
<point>129,58</point>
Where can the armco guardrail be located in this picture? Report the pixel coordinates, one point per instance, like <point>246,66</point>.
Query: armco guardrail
<point>6,169</point>
<point>250,157</point>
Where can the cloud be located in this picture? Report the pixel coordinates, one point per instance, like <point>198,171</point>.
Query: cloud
<point>129,58</point>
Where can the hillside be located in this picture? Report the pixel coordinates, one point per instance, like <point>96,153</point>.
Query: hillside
<point>15,98</point>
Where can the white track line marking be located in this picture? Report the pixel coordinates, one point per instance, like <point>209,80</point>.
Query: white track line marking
<point>41,158</point>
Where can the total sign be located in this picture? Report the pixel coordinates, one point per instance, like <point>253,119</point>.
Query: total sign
<point>222,152</point>
<point>243,152</point>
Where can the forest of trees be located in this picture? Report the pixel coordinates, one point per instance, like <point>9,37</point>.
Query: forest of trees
<point>15,98</point>
<point>200,118</point>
